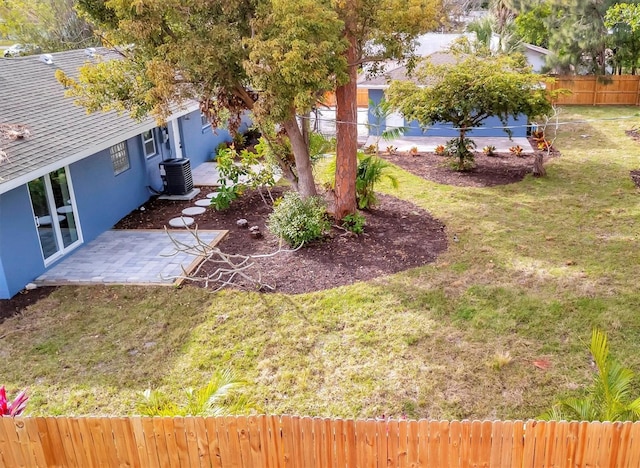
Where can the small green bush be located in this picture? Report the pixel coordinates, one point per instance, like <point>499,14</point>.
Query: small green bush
<point>354,222</point>
<point>298,221</point>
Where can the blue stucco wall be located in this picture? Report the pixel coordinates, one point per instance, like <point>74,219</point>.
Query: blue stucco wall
<point>492,127</point>
<point>103,198</point>
<point>20,256</point>
<point>198,142</point>
<point>164,151</point>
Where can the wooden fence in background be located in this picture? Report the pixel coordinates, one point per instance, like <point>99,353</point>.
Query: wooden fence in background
<point>589,90</point>
<point>284,441</point>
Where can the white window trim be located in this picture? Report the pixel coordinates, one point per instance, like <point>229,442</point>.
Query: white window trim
<point>152,140</point>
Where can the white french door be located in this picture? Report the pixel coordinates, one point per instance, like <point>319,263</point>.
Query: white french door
<point>54,213</point>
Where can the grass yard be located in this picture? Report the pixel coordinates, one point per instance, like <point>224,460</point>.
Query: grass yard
<point>537,265</point>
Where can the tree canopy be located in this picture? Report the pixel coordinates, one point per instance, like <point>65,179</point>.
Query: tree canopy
<point>470,91</point>
<point>271,57</point>
<point>53,25</point>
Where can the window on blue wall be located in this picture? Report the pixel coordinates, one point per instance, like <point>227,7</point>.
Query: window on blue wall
<point>149,143</point>
<point>204,120</point>
<point>119,157</point>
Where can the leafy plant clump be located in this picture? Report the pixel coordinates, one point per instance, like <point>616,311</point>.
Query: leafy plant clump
<point>214,399</point>
<point>461,149</point>
<point>15,407</point>
<point>516,150</point>
<point>489,150</point>
<point>252,171</point>
<point>441,150</point>
<point>354,222</point>
<point>371,170</point>
<point>299,221</point>
<point>609,397</point>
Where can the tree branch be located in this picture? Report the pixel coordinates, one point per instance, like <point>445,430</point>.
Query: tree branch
<point>228,269</point>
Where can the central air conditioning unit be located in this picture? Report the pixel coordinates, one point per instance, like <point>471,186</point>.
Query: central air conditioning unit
<point>176,176</point>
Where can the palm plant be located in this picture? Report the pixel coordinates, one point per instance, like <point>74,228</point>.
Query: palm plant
<point>371,170</point>
<point>212,399</point>
<point>609,398</point>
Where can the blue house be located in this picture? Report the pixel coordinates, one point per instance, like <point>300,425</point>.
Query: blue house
<point>376,86</point>
<point>73,175</point>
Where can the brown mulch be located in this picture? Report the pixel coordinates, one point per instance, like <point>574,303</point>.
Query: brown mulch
<point>398,234</point>
<point>500,169</point>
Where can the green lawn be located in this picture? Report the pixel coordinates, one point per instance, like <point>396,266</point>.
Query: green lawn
<point>537,265</point>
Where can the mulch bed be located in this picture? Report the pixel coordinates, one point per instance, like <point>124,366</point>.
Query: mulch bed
<point>489,171</point>
<point>398,234</point>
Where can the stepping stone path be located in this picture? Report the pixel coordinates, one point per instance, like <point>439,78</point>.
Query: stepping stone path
<point>184,221</point>
<point>193,211</point>
<point>201,207</point>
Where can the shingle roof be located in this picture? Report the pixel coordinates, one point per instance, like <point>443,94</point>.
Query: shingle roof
<point>401,73</point>
<point>60,131</point>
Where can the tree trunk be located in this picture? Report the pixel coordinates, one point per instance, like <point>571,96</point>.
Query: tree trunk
<point>347,133</point>
<point>461,148</point>
<point>538,167</point>
<point>306,184</point>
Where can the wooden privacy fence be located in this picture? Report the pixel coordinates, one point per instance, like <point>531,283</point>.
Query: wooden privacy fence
<point>589,90</point>
<point>284,441</point>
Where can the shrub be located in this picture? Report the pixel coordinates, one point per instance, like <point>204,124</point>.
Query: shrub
<point>252,171</point>
<point>609,398</point>
<point>370,172</point>
<point>15,407</point>
<point>214,399</point>
<point>354,222</point>
<point>440,150</point>
<point>462,150</point>
<point>413,151</point>
<point>489,150</point>
<point>516,150</point>
<point>298,221</point>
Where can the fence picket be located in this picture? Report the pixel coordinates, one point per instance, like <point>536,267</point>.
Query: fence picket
<point>66,447</point>
<point>257,456</point>
<point>633,455</point>
<point>213,445</point>
<point>412,444</point>
<point>11,450</point>
<point>193,449</point>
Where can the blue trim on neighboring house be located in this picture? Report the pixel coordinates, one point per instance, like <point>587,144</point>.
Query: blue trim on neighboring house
<point>199,143</point>
<point>492,127</point>
<point>20,255</point>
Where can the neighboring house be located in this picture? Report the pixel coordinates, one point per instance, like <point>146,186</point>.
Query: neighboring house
<point>76,174</point>
<point>376,86</point>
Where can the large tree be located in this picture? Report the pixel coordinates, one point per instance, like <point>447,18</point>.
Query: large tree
<point>53,25</point>
<point>271,58</point>
<point>468,92</point>
<point>376,30</point>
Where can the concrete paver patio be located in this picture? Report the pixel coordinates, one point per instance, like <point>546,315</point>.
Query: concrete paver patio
<point>127,257</point>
